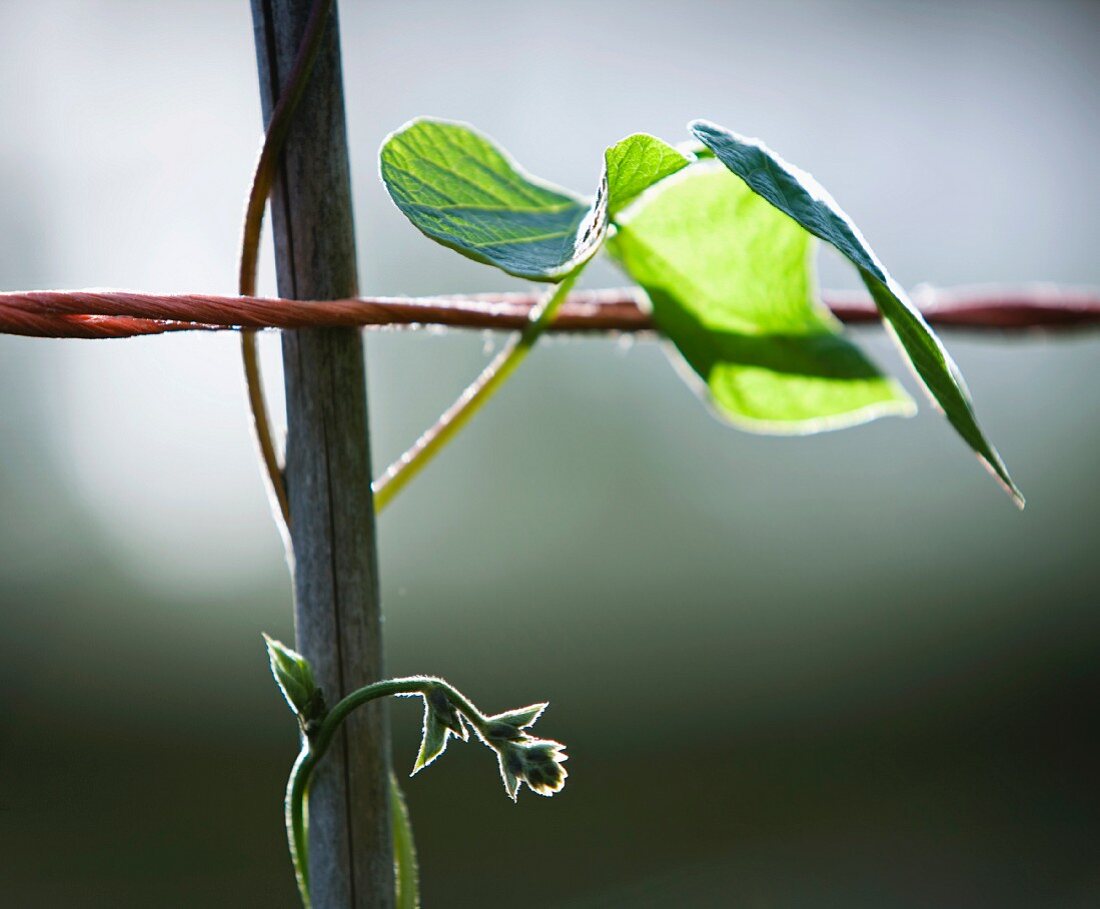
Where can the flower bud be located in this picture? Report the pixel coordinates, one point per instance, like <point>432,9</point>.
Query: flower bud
<point>294,677</point>
<point>536,762</point>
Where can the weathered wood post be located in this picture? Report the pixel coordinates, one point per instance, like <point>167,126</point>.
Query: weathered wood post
<point>334,561</point>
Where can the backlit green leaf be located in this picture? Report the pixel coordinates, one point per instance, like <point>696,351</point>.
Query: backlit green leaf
<point>731,284</point>
<point>294,677</point>
<point>799,195</point>
<point>635,164</point>
<point>461,190</point>
<point>434,742</point>
<point>521,717</point>
<point>465,192</point>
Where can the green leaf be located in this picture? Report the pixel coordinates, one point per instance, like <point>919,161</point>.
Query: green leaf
<point>434,742</point>
<point>511,765</point>
<point>521,717</point>
<point>731,284</point>
<point>465,192</point>
<point>635,164</point>
<point>293,676</point>
<point>799,195</point>
<point>460,189</point>
<point>405,867</point>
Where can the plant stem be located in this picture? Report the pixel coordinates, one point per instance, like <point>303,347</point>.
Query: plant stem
<point>313,749</point>
<point>297,793</point>
<point>425,448</point>
<point>261,432</point>
<point>413,684</point>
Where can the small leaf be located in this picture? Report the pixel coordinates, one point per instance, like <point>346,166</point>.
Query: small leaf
<point>434,742</point>
<point>731,284</point>
<point>460,189</point>
<point>800,196</point>
<point>294,678</point>
<point>635,164</point>
<point>510,767</point>
<point>521,717</point>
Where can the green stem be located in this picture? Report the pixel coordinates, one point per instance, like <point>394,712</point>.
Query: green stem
<point>425,448</point>
<point>313,749</point>
<point>297,791</point>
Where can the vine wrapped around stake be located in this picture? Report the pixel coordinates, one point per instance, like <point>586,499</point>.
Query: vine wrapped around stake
<point>521,757</point>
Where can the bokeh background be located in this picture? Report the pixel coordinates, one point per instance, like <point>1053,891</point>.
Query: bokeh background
<point>836,671</point>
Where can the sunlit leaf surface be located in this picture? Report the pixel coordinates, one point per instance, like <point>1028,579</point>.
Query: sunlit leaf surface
<point>731,284</point>
<point>799,195</point>
<point>461,190</point>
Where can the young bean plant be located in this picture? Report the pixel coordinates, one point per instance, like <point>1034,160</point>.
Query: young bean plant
<point>719,235</point>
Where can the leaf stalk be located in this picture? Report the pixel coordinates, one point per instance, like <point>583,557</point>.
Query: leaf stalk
<point>473,398</point>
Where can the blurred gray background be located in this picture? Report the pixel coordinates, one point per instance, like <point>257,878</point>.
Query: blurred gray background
<point>836,671</point>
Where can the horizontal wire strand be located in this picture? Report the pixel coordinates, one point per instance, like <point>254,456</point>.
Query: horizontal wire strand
<point>120,314</point>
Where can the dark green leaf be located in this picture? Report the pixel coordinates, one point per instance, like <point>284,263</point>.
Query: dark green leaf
<point>799,195</point>
<point>463,191</point>
<point>731,284</point>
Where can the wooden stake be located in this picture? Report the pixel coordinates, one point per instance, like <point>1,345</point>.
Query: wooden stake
<point>334,559</point>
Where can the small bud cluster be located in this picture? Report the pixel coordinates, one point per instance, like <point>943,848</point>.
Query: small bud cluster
<point>536,762</point>
<point>522,757</point>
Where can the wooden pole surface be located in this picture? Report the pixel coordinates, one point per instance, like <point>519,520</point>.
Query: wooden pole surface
<point>334,559</point>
